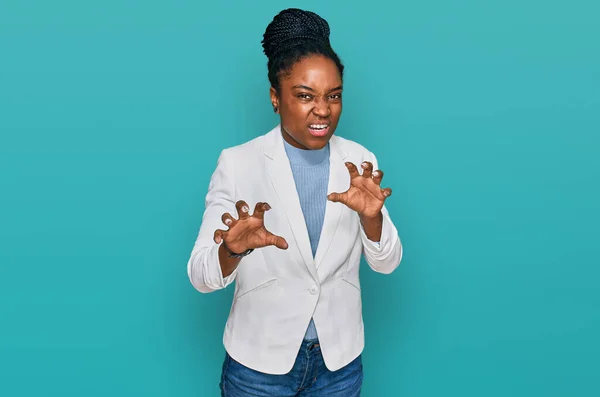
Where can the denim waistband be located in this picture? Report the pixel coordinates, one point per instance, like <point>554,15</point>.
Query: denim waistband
<point>309,344</point>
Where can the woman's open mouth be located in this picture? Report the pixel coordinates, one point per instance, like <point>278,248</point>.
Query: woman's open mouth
<point>318,130</point>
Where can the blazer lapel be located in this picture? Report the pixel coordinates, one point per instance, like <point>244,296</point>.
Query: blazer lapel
<point>280,174</point>
<point>339,181</point>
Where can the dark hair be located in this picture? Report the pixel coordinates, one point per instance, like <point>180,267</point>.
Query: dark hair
<point>292,35</point>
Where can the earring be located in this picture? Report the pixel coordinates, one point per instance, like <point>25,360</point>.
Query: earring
<point>275,109</point>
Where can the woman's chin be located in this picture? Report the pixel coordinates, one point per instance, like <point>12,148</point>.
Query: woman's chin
<point>316,143</point>
<point>308,140</point>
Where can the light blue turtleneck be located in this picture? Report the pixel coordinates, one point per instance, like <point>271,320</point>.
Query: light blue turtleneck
<point>311,175</point>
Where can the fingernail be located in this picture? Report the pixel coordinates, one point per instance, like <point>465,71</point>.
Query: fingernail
<point>376,173</point>
<point>364,165</point>
<point>228,222</point>
<point>245,209</point>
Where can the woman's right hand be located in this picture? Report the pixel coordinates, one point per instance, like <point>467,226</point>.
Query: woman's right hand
<point>248,231</point>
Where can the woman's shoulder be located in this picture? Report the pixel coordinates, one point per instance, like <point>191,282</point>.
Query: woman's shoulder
<point>353,148</point>
<point>246,154</point>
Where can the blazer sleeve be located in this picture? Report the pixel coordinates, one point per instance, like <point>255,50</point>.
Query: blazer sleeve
<point>385,255</point>
<point>204,270</point>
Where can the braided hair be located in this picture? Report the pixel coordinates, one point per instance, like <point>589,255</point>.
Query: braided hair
<point>292,35</point>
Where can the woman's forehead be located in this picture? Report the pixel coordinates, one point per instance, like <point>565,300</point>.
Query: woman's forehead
<point>317,72</point>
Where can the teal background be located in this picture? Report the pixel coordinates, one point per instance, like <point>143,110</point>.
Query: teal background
<point>485,117</point>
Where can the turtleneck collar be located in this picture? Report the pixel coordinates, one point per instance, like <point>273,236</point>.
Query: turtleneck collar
<point>306,157</point>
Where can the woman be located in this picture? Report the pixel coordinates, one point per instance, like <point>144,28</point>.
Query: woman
<point>295,326</point>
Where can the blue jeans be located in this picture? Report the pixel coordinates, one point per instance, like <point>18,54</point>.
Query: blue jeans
<point>308,378</point>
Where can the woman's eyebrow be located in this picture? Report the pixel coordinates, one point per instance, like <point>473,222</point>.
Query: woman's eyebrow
<point>304,87</point>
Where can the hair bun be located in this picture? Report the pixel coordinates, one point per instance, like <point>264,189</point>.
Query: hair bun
<point>292,26</point>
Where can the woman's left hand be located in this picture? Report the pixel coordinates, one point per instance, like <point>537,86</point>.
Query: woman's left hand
<point>365,195</point>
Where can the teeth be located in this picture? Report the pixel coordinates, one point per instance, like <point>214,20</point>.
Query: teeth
<point>318,126</point>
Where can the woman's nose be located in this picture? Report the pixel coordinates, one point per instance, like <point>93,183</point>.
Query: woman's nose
<point>321,108</point>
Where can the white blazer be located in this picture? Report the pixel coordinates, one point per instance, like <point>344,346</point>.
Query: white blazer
<point>278,291</point>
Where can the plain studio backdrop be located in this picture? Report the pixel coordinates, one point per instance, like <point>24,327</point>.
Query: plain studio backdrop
<point>485,117</point>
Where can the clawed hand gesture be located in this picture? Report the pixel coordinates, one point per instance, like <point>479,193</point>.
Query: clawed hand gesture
<point>248,231</point>
<point>365,195</point>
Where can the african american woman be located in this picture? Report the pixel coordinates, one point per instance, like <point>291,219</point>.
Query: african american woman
<point>288,216</point>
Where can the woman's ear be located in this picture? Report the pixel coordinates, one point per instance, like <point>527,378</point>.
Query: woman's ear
<point>274,99</point>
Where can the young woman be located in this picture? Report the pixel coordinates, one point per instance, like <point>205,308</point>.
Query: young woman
<point>288,216</point>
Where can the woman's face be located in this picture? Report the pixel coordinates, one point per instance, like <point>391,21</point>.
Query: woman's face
<point>309,102</point>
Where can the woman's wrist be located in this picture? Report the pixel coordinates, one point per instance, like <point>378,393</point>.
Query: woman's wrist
<point>226,262</point>
<point>233,254</point>
<point>372,226</point>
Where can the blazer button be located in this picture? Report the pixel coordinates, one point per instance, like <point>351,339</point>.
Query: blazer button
<point>314,290</point>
